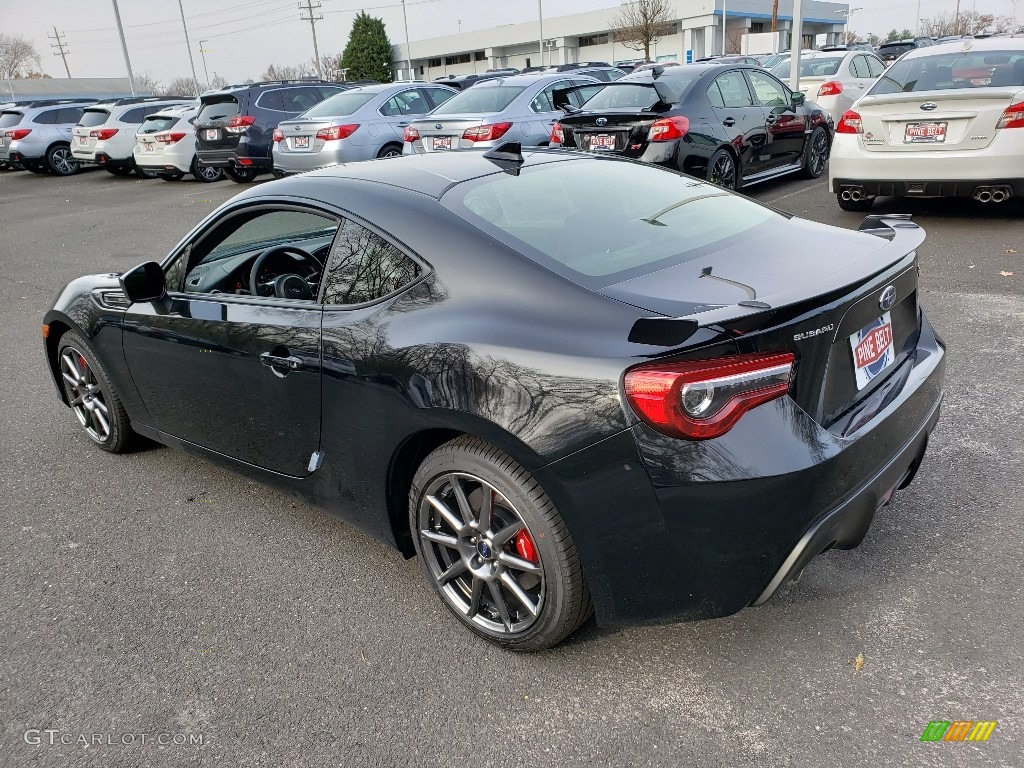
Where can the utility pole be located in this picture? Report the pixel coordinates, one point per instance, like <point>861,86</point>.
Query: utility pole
<point>408,49</point>
<point>60,44</point>
<point>188,45</point>
<point>540,15</point>
<point>725,28</point>
<point>796,45</point>
<point>312,18</point>
<point>202,52</point>
<point>124,48</point>
<point>956,20</point>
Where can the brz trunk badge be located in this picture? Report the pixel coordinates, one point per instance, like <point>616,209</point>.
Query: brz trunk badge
<point>888,298</point>
<point>928,106</point>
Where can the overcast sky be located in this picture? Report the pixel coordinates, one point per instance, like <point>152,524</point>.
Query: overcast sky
<point>244,36</point>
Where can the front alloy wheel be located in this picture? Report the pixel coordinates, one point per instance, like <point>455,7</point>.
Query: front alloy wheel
<point>494,547</point>
<point>91,397</point>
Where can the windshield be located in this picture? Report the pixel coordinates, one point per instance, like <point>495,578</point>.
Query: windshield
<point>10,119</point>
<point>345,103</point>
<point>93,117</point>
<point>816,67</point>
<point>946,71</point>
<point>157,123</point>
<point>894,51</point>
<point>629,95</point>
<point>480,98</point>
<point>224,106</point>
<point>600,222</point>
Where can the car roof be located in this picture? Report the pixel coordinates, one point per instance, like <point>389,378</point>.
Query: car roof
<point>968,44</point>
<point>530,78</point>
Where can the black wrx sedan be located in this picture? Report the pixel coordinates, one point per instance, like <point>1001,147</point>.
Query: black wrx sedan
<point>566,383</point>
<point>731,124</point>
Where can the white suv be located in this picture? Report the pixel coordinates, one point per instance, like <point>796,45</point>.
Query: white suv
<point>166,145</point>
<point>105,135</point>
<point>944,121</point>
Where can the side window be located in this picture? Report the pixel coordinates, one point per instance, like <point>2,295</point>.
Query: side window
<point>875,67</point>
<point>586,91</point>
<point>615,74</point>
<point>137,115</point>
<point>732,90</point>
<point>769,91</point>
<point>300,99</point>
<point>364,267</point>
<point>437,96</point>
<point>600,74</point>
<point>544,101</point>
<point>272,100</point>
<point>391,107</point>
<point>326,91</point>
<point>858,67</point>
<point>412,102</point>
<point>48,117</point>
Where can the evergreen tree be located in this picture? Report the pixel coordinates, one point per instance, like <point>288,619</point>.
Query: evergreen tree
<point>368,53</point>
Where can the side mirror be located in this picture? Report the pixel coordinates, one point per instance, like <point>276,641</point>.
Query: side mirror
<point>799,99</point>
<point>144,283</point>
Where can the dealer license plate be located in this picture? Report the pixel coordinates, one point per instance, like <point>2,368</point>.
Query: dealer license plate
<point>873,350</point>
<point>604,141</point>
<point>442,142</point>
<point>147,147</point>
<point>301,142</point>
<point>925,133</point>
<point>212,134</point>
<point>83,140</point>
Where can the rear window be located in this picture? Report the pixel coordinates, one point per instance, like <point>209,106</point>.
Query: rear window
<point>10,119</point>
<point>344,103</point>
<point>623,95</point>
<point>93,117</point>
<point>480,98</point>
<point>157,123</point>
<point>225,106</point>
<point>600,222</point>
<point>893,51</point>
<point>816,67</point>
<point>946,71</point>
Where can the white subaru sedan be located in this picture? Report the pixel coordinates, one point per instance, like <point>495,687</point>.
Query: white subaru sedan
<point>834,79</point>
<point>943,121</point>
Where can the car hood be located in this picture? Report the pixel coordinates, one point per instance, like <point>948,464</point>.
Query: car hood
<point>785,262</point>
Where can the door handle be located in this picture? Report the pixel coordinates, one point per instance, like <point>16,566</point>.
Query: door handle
<point>729,122</point>
<point>291,362</point>
<point>403,125</point>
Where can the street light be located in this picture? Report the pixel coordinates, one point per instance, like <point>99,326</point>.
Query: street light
<point>408,51</point>
<point>202,52</point>
<point>846,20</point>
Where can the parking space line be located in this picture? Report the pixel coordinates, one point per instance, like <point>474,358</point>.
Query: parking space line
<point>803,190</point>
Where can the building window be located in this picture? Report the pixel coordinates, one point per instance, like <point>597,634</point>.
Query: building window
<point>433,63</point>
<point>601,39</point>
<point>480,56</point>
<point>421,69</point>
<point>461,58</point>
<point>527,62</point>
<point>756,27</point>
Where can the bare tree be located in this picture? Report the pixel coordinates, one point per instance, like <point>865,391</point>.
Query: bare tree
<point>274,72</point>
<point>968,23</point>
<point>18,56</point>
<point>219,81</point>
<point>639,25</point>
<point>180,86</point>
<point>146,82</point>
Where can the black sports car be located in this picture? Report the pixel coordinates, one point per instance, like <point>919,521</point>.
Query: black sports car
<point>731,124</point>
<point>566,382</point>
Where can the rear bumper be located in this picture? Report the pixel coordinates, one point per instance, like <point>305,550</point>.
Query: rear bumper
<point>231,158</point>
<point>927,187</point>
<point>165,161</point>
<point>102,159</point>
<point>674,530</point>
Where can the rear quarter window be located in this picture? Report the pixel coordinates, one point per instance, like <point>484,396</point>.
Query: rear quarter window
<point>219,109</point>
<point>92,117</point>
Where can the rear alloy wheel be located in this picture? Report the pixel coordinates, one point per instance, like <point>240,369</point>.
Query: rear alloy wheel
<point>60,160</point>
<point>494,547</point>
<point>118,170</point>
<point>864,204</point>
<point>722,169</point>
<point>173,176</point>
<point>205,173</point>
<point>391,150</point>
<point>93,400</point>
<point>240,175</point>
<point>815,154</point>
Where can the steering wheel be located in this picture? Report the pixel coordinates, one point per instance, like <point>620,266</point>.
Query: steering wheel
<point>287,286</point>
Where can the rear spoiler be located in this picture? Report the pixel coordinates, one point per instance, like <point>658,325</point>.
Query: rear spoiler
<point>560,97</point>
<point>904,238</point>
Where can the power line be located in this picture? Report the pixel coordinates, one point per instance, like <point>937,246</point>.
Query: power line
<point>60,44</point>
<point>313,18</point>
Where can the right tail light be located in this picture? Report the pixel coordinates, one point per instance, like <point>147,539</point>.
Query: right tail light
<point>411,134</point>
<point>1013,116</point>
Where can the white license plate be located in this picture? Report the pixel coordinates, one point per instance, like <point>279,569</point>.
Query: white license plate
<point>925,133</point>
<point>147,147</point>
<point>603,141</point>
<point>301,142</point>
<point>83,140</point>
<point>873,350</point>
<point>212,134</point>
<point>442,142</point>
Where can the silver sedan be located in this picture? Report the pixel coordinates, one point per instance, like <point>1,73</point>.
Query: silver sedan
<point>357,124</point>
<point>518,108</point>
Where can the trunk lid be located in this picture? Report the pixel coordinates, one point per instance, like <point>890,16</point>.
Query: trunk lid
<point>621,132</point>
<point>212,122</point>
<point>300,134</point>
<point>445,132</point>
<point>929,121</point>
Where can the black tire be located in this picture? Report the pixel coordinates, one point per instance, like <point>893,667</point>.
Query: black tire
<point>145,173</point>
<point>36,166</point>
<point>5,166</point>
<point>60,162</point>
<point>118,170</point>
<point>555,580</point>
<point>723,170</point>
<point>240,175</point>
<point>390,150</point>
<point>173,176</point>
<point>205,173</point>
<point>816,151</point>
<point>277,174</point>
<point>95,394</point>
<point>864,204</point>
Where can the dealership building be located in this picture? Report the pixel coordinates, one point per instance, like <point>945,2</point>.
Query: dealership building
<point>698,28</point>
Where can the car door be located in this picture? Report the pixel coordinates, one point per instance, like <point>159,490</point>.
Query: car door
<point>437,96</point>
<point>543,114</point>
<point>739,120</point>
<point>219,368</point>
<point>785,125</point>
<point>398,111</point>
<point>857,80</point>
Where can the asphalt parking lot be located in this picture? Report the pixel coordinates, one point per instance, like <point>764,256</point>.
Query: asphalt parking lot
<point>154,593</point>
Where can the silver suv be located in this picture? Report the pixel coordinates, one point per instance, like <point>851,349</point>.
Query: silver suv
<point>37,136</point>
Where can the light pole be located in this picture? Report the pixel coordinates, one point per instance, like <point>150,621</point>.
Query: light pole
<point>846,20</point>
<point>725,28</point>
<point>796,45</point>
<point>202,52</point>
<point>540,15</point>
<point>188,45</point>
<point>408,50</point>
<point>124,48</point>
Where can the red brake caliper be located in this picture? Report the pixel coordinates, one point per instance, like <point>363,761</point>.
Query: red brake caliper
<point>524,546</point>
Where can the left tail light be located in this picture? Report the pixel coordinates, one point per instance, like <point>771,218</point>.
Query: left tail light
<point>668,128</point>
<point>169,138</point>
<point>411,134</point>
<point>18,134</point>
<point>336,132</point>
<point>103,133</point>
<point>1013,116</point>
<point>703,399</point>
<point>278,135</point>
<point>850,122</point>
<point>831,88</point>
<point>239,123</point>
<point>487,132</point>
<point>557,134</point>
